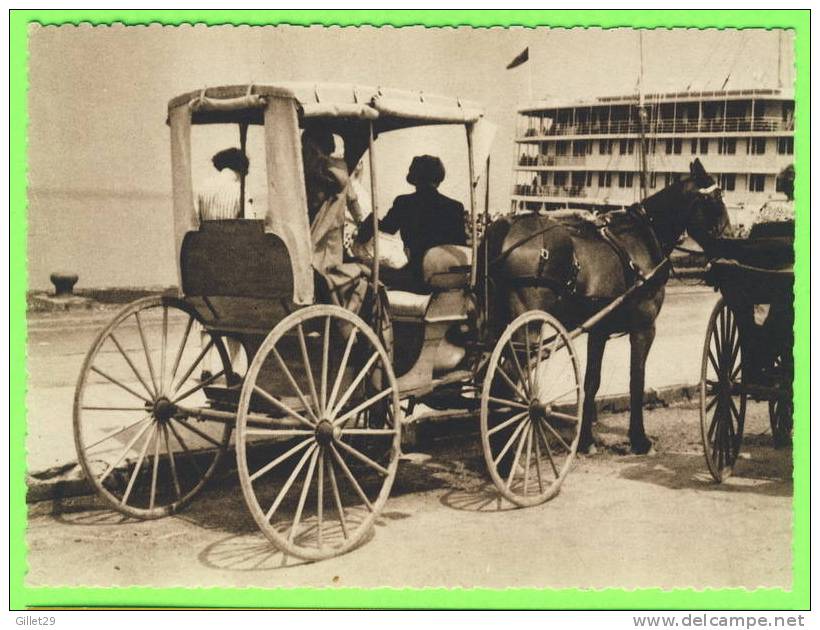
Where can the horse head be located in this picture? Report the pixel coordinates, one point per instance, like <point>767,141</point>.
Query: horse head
<point>694,205</point>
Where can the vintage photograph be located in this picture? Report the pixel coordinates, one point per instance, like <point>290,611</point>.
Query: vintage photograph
<point>410,307</point>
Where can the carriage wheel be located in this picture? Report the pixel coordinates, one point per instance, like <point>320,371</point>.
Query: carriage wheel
<point>781,418</point>
<point>136,426</point>
<point>722,406</point>
<point>322,392</point>
<point>531,409</point>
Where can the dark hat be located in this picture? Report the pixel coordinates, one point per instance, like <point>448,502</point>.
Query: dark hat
<point>425,169</point>
<point>233,159</point>
<point>317,134</point>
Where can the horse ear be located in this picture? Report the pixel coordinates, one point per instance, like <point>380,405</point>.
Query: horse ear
<point>697,170</point>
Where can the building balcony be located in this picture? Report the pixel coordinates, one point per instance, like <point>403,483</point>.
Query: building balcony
<point>769,162</point>
<point>662,126</point>
<point>528,190</point>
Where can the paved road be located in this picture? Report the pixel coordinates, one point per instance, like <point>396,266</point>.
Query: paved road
<point>619,521</point>
<point>57,345</point>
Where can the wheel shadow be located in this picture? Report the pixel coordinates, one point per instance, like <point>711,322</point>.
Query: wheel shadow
<point>759,470</point>
<point>483,498</point>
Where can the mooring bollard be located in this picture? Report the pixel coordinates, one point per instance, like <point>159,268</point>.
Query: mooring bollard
<point>63,283</point>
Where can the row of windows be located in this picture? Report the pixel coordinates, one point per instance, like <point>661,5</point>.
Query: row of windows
<point>673,146</point>
<point>626,179</point>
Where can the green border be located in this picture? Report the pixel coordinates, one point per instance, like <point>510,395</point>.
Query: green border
<point>22,596</point>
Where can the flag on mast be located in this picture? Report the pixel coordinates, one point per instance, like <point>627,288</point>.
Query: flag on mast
<point>520,59</point>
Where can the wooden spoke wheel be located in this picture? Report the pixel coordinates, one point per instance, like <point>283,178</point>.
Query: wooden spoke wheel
<point>531,408</point>
<point>318,432</point>
<point>781,408</point>
<point>137,429</point>
<point>722,401</point>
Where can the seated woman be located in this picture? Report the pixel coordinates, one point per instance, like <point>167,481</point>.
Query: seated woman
<point>425,218</point>
<point>330,198</point>
<point>219,197</point>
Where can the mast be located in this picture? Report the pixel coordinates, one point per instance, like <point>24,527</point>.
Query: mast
<point>642,121</point>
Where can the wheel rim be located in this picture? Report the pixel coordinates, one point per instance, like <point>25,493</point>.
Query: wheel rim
<point>722,408</point>
<point>135,407</point>
<point>322,391</point>
<point>531,409</point>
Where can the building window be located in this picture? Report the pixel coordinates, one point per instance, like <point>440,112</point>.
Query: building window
<point>579,148</point>
<point>757,146</point>
<point>589,179</point>
<point>757,183</point>
<point>694,147</point>
<point>578,179</point>
<point>625,180</point>
<point>653,179</point>
<point>605,147</point>
<point>560,178</point>
<point>704,146</point>
<point>727,146</point>
<point>561,148</point>
<point>727,182</point>
<point>604,180</point>
<point>674,146</point>
<point>785,146</point>
<point>627,146</point>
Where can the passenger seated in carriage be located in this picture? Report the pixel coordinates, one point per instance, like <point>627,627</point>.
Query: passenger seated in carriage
<point>331,198</point>
<point>220,197</point>
<point>425,218</point>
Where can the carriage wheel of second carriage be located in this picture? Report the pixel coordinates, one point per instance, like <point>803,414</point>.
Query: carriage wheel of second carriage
<point>781,408</point>
<point>531,407</point>
<point>137,431</point>
<point>722,404</point>
<point>316,458</point>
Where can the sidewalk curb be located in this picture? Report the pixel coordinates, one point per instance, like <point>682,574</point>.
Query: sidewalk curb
<point>68,480</point>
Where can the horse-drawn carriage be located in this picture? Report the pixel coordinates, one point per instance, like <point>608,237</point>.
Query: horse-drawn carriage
<point>318,409</point>
<point>748,354</point>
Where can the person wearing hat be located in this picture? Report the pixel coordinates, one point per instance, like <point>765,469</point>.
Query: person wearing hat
<point>425,218</point>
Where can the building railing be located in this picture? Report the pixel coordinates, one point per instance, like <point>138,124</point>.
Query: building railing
<point>659,160</point>
<point>667,125</point>
<point>528,190</point>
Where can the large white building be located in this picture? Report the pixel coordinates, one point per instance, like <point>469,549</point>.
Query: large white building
<point>586,154</point>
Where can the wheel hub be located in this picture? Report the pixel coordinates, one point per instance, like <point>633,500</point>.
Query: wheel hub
<point>539,410</point>
<point>164,409</point>
<point>325,433</point>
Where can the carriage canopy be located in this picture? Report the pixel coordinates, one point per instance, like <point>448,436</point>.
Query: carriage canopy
<point>352,110</point>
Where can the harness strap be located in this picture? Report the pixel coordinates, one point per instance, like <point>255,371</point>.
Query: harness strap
<point>623,255</point>
<point>519,243</point>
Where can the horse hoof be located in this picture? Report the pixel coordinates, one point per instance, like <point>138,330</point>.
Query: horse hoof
<point>644,447</point>
<point>588,449</point>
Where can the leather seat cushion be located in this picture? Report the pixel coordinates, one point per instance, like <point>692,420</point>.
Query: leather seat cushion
<point>408,305</point>
<point>447,267</point>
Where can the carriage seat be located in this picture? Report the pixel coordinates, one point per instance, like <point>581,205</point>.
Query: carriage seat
<point>407,305</point>
<point>447,267</point>
<point>235,258</point>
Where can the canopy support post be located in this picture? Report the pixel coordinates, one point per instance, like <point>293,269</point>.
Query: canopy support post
<point>486,279</point>
<point>473,223</point>
<point>243,142</point>
<point>374,205</point>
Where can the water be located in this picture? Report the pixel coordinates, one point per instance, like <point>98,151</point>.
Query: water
<point>111,239</point>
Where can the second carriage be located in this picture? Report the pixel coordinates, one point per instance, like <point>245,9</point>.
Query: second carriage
<point>748,351</point>
<point>318,395</point>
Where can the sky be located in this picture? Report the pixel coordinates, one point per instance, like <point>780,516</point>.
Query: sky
<point>98,95</point>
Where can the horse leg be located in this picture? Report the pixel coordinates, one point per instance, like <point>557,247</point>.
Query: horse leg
<point>592,381</point>
<point>640,341</point>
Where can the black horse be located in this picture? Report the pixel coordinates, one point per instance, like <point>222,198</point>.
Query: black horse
<point>572,267</point>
